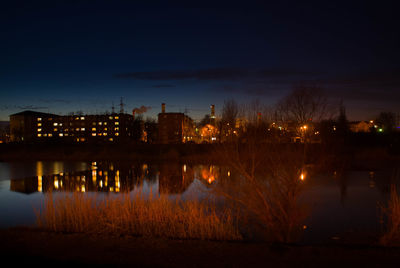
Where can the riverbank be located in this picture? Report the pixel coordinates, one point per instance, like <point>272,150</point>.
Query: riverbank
<point>26,246</point>
<point>360,157</point>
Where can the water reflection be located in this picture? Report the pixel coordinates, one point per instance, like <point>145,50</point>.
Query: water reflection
<point>111,177</point>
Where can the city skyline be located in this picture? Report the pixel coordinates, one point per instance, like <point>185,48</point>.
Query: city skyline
<point>62,57</point>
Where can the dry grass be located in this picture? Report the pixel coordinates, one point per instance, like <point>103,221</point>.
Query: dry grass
<point>267,190</point>
<point>125,214</point>
<point>392,213</point>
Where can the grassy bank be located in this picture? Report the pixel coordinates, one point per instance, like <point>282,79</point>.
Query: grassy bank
<point>156,216</point>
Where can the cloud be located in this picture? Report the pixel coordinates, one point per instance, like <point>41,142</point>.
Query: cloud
<point>213,74</point>
<point>163,86</point>
<point>55,101</point>
<point>22,107</point>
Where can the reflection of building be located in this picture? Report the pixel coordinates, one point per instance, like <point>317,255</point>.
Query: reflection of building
<point>35,126</point>
<point>175,128</point>
<point>174,178</point>
<point>26,186</point>
<point>101,178</point>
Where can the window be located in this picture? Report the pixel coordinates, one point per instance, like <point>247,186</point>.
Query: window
<point>93,129</point>
<point>39,119</point>
<point>39,129</point>
<point>61,134</point>
<point>82,118</point>
<point>116,134</point>
<point>39,135</point>
<point>94,134</point>
<point>117,123</point>
<point>83,129</point>
<point>116,117</point>
<point>55,124</point>
<point>39,124</point>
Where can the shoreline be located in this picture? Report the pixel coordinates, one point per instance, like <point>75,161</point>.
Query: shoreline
<point>373,157</point>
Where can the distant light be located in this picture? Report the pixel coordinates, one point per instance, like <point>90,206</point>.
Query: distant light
<point>302,176</point>
<point>380,130</point>
<point>371,121</point>
<point>39,119</point>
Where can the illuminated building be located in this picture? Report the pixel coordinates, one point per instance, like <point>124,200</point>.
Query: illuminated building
<point>29,126</point>
<point>175,128</point>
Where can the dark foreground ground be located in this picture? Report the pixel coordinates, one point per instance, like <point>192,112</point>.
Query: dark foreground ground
<point>36,247</point>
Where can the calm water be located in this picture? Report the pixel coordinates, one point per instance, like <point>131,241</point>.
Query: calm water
<point>341,207</point>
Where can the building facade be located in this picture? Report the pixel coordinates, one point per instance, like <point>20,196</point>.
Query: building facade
<point>30,126</point>
<point>175,128</point>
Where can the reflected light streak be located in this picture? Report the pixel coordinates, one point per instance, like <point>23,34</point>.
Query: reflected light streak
<point>40,184</point>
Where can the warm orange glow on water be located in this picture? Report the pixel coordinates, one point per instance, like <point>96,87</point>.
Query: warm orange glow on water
<point>40,183</point>
<point>209,174</point>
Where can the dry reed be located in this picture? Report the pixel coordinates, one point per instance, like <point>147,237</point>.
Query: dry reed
<point>126,214</point>
<point>392,212</point>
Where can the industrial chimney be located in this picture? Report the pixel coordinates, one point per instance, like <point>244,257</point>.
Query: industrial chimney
<point>163,107</point>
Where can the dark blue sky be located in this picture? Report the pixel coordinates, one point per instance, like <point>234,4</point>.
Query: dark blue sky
<point>65,56</point>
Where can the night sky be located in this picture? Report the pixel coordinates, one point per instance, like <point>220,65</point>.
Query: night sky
<point>65,56</point>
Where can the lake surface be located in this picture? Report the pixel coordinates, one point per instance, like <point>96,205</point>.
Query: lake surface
<point>341,207</point>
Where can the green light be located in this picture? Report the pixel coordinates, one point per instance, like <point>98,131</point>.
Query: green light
<point>380,130</point>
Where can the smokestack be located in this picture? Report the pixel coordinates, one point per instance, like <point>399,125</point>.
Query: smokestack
<point>163,107</point>
<point>212,111</point>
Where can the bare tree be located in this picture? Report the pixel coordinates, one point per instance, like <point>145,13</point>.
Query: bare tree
<point>230,113</point>
<point>304,104</point>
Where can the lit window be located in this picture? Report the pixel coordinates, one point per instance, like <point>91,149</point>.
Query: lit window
<point>76,118</point>
<point>45,134</point>
<point>61,134</point>
<point>116,128</point>
<point>105,123</point>
<point>66,134</point>
<point>110,139</point>
<point>93,134</point>
<point>82,139</point>
<point>39,124</point>
<point>116,117</point>
<point>93,129</point>
<point>55,124</point>
<point>116,134</point>
<point>110,117</point>
<point>99,134</point>
<point>39,135</point>
<point>55,129</point>
<point>50,135</point>
<point>83,129</point>
<point>39,119</point>
<point>77,129</point>
<point>82,118</point>
<point>94,123</point>
<point>117,123</point>
<point>39,129</point>
<point>100,123</point>
<point>105,134</point>
<point>105,128</point>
